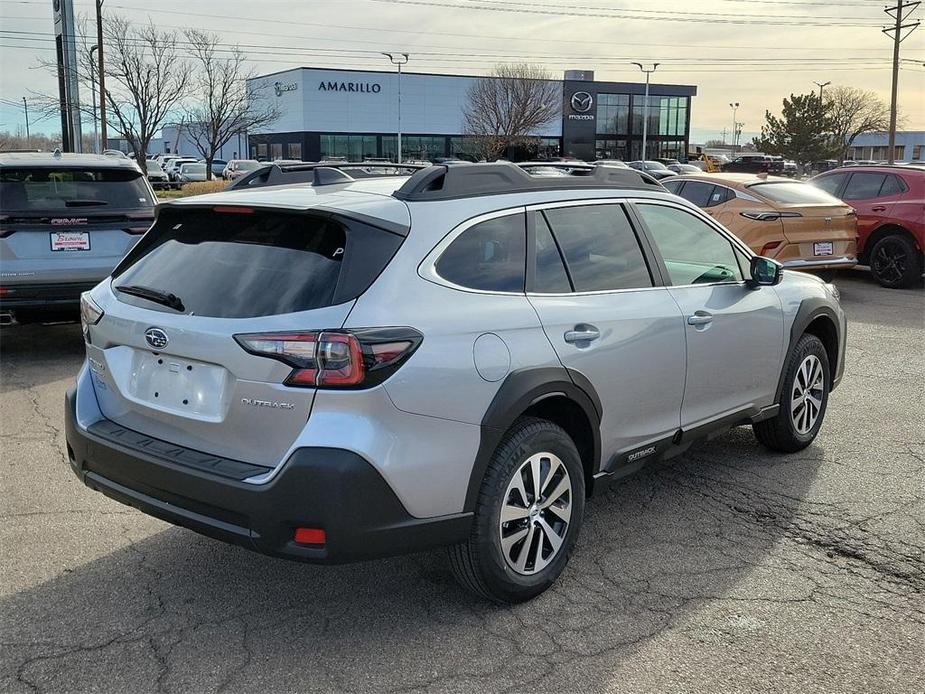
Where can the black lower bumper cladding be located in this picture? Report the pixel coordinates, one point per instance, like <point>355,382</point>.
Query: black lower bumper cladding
<point>328,488</point>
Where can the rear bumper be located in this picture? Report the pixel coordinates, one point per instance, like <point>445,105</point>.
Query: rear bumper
<point>327,488</point>
<point>47,296</point>
<point>833,263</point>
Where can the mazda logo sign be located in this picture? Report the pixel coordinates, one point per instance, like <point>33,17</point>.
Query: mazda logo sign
<point>582,102</point>
<point>156,337</point>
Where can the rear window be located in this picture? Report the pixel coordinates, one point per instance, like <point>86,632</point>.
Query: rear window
<point>261,263</point>
<point>193,169</point>
<point>43,189</point>
<point>792,192</point>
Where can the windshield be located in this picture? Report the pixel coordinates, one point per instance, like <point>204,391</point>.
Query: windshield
<point>48,188</point>
<point>793,192</point>
<point>657,165</point>
<point>193,169</point>
<point>247,165</point>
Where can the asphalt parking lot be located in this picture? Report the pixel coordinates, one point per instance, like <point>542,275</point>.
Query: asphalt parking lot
<point>728,569</point>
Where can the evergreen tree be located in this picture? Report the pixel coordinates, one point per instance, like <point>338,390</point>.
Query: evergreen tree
<point>803,132</point>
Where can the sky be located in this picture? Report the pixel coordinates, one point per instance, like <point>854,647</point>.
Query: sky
<point>754,52</point>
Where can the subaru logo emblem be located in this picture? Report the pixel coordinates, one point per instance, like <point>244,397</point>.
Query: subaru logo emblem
<point>581,102</point>
<point>156,337</point>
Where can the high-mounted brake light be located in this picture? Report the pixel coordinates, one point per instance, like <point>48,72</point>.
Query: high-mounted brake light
<point>336,358</point>
<point>233,209</point>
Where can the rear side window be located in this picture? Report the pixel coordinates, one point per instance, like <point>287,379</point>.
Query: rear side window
<point>863,185</point>
<point>260,263</point>
<point>830,184</point>
<point>893,185</point>
<point>673,186</point>
<point>489,256</point>
<point>793,192</point>
<point>699,193</point>
<point>600,248</point>
<point>41,189</point>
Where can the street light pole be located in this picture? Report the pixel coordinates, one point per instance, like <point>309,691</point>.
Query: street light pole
<point>821,85</point>
<point>96,133</point>
<point>645,109</point>
<point>734,106</point>
<point>25,108</point>
<point>398,59</point>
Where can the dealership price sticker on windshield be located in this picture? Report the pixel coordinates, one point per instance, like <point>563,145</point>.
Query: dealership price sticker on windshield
<point>70,241</point>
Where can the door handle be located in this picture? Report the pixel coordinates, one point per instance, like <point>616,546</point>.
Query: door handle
<point>582,333</point>
<point>700,318</point>
<point>877,208</point>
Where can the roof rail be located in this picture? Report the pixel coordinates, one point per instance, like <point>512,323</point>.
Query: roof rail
<point>470,180</point>
<point>319,173</point>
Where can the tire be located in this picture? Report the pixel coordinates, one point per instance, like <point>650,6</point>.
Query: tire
<point>519,568</point>
<point>793,428</point>
<point>895,262</point>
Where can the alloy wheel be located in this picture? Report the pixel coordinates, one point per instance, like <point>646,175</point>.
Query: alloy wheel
<point>890,260</point>
<point>535,513</point>
<point>806,394</point>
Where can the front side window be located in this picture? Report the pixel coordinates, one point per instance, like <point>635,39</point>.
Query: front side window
<point>489,256</point>
<point>600,248</point>
<point>694,252</point>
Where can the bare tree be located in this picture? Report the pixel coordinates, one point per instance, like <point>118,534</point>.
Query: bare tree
<point>146,78</point>
<point>224,106</point>
<point>853,112</point>
<point>508,107</point>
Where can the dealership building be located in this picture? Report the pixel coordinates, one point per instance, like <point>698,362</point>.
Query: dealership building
<point>354,114</point>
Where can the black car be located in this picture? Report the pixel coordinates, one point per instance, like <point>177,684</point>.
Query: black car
<point>755,163</point>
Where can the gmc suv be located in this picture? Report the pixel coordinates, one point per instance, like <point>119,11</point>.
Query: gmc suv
<point>65,221</point>
<point>352,368</point>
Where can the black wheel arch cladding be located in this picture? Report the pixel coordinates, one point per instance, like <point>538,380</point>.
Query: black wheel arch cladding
<point>520,390</point>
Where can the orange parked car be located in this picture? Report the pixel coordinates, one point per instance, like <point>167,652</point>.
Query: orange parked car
<point>796,224</point>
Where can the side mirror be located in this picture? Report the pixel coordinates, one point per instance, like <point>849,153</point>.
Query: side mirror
<point>765,272</point>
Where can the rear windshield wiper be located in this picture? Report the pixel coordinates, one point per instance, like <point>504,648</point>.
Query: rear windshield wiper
<point>156,295</point>
<point>84,203</point>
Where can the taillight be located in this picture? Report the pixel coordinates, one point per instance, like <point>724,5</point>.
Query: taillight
<point>336,358</point>
<point>142,222</point>
<point>90,314</point>
<point>769,246</point>
<point>766,216</point>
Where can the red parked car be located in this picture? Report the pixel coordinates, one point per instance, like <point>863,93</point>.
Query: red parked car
<point>890,203</point>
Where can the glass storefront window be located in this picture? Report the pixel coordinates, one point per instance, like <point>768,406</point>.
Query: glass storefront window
<point>613,114</point>
<point>294,150</point>
<point>276,150</point>
<point>667,115</point>
<point>610,149</point>
<point>349,147</point>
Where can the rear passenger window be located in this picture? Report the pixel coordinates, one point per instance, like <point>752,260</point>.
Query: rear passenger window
<point>490,256</point>
<point>550,276</point>
<point>863,186</point>
<point>600,248</point>
<point>698,193</point>
<point>673,186</point>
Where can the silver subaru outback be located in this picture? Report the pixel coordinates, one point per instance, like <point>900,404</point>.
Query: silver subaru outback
<point>347,367</point>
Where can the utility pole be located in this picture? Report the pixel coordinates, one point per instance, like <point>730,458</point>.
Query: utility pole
<point>725,130</point>
<point>25,108</point>
<point>96,132</point>
<point>821,85</point>
<point>900,13</point>
<point>398,59</point>
<point>734,106</point>
<point>101,72</point>
<point>645,110</point>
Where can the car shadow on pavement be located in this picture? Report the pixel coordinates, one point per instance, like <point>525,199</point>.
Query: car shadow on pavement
<point>176,611</point>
